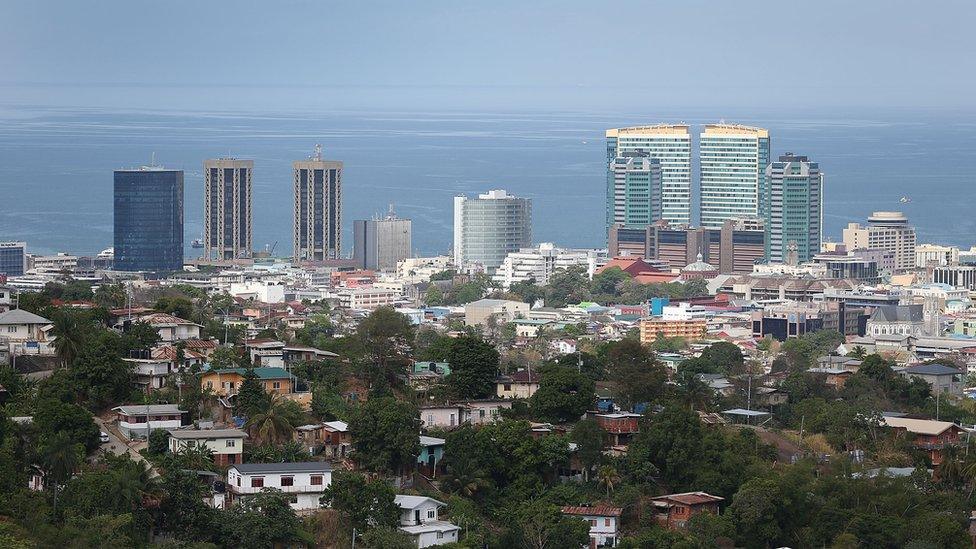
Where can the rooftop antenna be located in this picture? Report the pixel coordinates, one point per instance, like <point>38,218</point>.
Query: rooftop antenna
<point>318,153</point>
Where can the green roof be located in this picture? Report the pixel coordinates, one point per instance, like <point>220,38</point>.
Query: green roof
<point>263,372</point>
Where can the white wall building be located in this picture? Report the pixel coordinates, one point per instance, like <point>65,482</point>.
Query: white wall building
<point>539,263</point>
<point>888,231</point>
<point>259,290</point>
<point>366,298</point>
<point>226,445</point>
<point>418,519</point>
<point>732,162</point>
<point>933,254</point>
<point>302,482</point>
<point>489,227</point>
<point>478,312</point>
<point>670,144</point>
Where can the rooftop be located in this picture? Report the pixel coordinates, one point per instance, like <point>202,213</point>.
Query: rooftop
<point>206,433</point>
<point>20,316</point>
<point>152,409</point>
<point>690,498</point>
<point>412,502</point>
<point>297,467</point>
<point>593,511</point>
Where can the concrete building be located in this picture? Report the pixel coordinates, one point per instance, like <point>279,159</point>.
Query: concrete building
<point>477,313</point>
<point>901,320</point>
<point>867,266</point>
<point>225,445</point>
<point>303,483</point>
<point>540,263</point>
<point>418,519</point>
<point>318,209</point>
<point>734,248</point>
<point>927,255</point>
<point>13,258</point>
<point>888,231</point>
<point>367,298</point>
<point>692,329</point>
<point>139,420</point>
<point>732,163</point>
<point>380,244</point>
<point>670,145</point>
<point>793,209</point>
<point>603,520</point>
<point>958,276</point>
<point>633,190</point>
<point>488,228</point>
<point>942,378</point>
<point>227,230</point>
<point>148,224</point>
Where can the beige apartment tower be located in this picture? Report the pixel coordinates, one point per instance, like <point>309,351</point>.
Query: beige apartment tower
<point>318,209</point>
<point>227,208</point>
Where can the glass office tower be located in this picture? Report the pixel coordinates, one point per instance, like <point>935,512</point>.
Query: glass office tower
<point>732,163</point>
<point>633,190</point>
<point>670,144</point>
<point>488,228</point>
<point>793,210</point>
<point>149,219</point>
<point>13,258</point>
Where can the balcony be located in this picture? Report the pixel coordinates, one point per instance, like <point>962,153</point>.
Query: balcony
<point>297,489</point>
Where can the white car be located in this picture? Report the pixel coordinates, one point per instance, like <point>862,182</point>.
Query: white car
<point>103,437</point>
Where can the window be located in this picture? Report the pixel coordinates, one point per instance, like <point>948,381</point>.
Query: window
<point>276,385</point>
<point>431,513</point>
<point>293,500</point>
<point>606,522</point>
<point>231,443</point>
<point>440,535</point>
<point>11,329</point>
<point>287,481</point>
<point>316,480</point>
<point>508,387</point>
<point>257,482</point>
<point>592,523</point>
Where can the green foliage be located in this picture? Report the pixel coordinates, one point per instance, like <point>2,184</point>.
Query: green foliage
<point>139,335</point>
<point>474,366</point>
<point>367,503</point>
<point>542,526</point>
<point>724,357</point>
<point>102,378</point>
<point>386,336</point>
<point>384,433</point>
<point>638,376</point>
<point>430,346</point>
<point>589,437</point>
<point>158,442</point>
<point>387,538</point>
<point>251,397</point>
<point>180,307</point>
<point>563,395</point>
<point>183,512</point>
<point>54,417</point>
<point>264,520</point>
<point>275,422</point>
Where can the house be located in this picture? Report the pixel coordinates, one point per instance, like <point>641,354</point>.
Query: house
<point>835,377</point>
<point>137,420</point>
<point>503,311</point>
<point>942,378</point>
<point>431,455</point>
<point>424,375</point>
<point>22,332</point>
<point>521,384</point>
<point>265,352</point>
<point>149,374</point>
<point>303,482</point>
<point>674,510</point>
<point>926,434</point>
<point>225,382</point>
<point>226,445</point>
<point>529,329</point>
<point>479,412</point>
<point>604,523</point>
<point>301,353</point>
<point>449,416</point>
<point>620,427</point>
<point>445,417</point>
<point>172,328</point>
<point>331,438</point>
<point>718,383</point>
<point>418,519</point>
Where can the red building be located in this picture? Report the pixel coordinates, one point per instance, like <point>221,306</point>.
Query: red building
<point>674,510</point>
<point>926,434</point>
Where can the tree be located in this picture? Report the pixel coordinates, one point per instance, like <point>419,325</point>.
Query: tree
<point>433,296</point>
<point>474,366</point>
<point>858,352</point>
<point>387,538</point>
<point>543,526</point>
<point>366,502</point>
<point>70,331</point>
<point>264,520</point>
<point>430,346</point>
<point>384,433</point>
<point>607,283</point>
<point>567,286</point>
<point>180,307</point>
<point>608,477</point>
<point>54,417</point>
<point>386,335</point>
<point>60,457</point>
<point>638,376</point>
<point>877,368</point>
<point>158,442</point>
<point>754,511</point>
<point>725,357</point>
<point>563,395</point>
<point>272,423</point>
<point>251,397</point>
<point>592,366</point>
<point>588,436</point>
<point>102,377</point>
<point>138,336</point>
<point>183,511</point>
<point>317,328</point>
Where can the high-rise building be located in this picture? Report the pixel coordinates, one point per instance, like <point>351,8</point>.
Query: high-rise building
<point>539,263</point>
<point>634,190</point>
<point>149,219</point>
<point>488,228</point>
<point>793,209</point>
<point>318,209</point>
<point>732,162</point>
<point>227,208</point>
<point>733,248</point>
<point>13,258</point>
<point>888,231</point>
<point>379,244</point>
<point>670,144</point>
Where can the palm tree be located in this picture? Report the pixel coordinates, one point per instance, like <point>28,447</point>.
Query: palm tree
<point>69,337</point>
<point>292,451</point>
<point>464,478</point>
<point>59,459</point>
<point>271,425</point>
<point>858,352</point>
<point>607,476</point>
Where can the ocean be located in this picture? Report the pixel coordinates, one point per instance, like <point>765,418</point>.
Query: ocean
<point>56,167</point>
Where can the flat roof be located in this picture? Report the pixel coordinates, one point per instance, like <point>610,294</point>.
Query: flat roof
<point>297,467</point>
<point>206,433</point>
<point>744,412</point>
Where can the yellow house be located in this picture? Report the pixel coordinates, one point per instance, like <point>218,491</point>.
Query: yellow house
<point>227,382</point>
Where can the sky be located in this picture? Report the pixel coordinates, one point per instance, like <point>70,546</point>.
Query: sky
<point>452,54</point>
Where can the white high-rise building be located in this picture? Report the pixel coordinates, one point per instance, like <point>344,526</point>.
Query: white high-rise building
<point>732,163</point>
<point>933,254</point>
<point>887,231</point>
<point>539,263</point>
<point>488,228</point>
<point>670,144</point>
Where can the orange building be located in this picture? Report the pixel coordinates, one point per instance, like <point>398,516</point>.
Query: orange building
<point>691,330</point>
<point>674,510</point>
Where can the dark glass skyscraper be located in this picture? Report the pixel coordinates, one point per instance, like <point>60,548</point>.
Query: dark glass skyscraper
<point>149,219</point>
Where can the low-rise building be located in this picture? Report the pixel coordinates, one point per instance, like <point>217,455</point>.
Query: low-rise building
<point>521,384</point>
<point>366,298</point>
<point>504,311</point>
<point>303,483</point>
<point>172,328</point>
<point>225,445</point>
<point>138,420</point>
<point>674,510</point>
<point>23,332</point>
<point>692,329</point>
<point>418,519</point>
<point>940,377</point>
<point>926,434</point>
<point>331,438</point>
<point>431,455</point>
<point>603,520</point>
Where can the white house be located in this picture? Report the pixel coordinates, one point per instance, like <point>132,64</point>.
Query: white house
<point>138,420</point>
<point>150,374</point>
<point>226,445</point>
<point>418,519</point>
<point>604,523</point>
<point>172,328</point>
<point>303,482</point>
<point>449,416</point>
<point>259,290</point>
<point>22,332</point>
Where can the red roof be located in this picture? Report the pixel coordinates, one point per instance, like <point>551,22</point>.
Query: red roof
<point>524,376</point>
<point>593,511</point>
<point>200,343</point>
<point>630,265</point>
<point>690,498</point>
<point>655,277</point>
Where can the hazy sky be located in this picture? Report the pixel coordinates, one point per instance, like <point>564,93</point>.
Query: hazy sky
<point>426,54</point>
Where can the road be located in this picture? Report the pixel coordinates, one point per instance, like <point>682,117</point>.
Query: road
<point>118,446</point>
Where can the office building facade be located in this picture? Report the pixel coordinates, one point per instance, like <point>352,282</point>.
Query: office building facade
<point>670,144</point>
<point>227,232</point>
<point>793,209</point>
<point>887,231</point>
<point>634,190</point>
<point>732,167</point>
<point>489,227</point>
<point>539,263</point>
<point>318,209</point>
<point>148,223</point>
<point>733,248</point>
<point>13,258</point>
<point>379,244</point>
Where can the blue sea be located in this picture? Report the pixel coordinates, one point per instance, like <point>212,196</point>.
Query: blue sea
<point>56,166</point>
